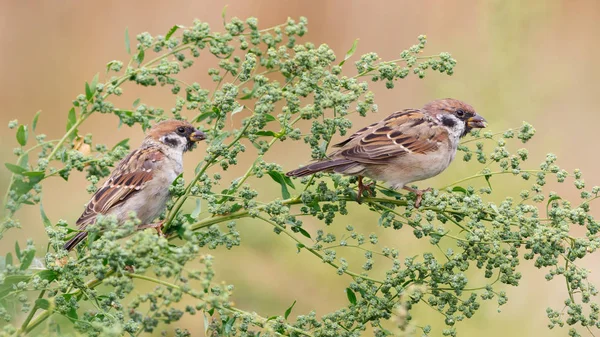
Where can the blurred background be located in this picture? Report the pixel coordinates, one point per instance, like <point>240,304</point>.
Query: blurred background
<point>533,61</point>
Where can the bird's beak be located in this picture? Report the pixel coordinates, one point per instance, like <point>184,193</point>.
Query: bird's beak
<point>197,136</point>
<point>476,122</point>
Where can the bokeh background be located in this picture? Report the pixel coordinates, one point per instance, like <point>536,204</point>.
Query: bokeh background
<point>535,61</point>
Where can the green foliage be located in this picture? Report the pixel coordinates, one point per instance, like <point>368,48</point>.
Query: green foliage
<point>467,232</point>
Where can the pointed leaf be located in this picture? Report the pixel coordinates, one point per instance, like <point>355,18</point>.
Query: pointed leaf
<point>127,44</point>
<point>172,31</point>
<point>24,161</point>
<point>14,168</point>
<point>71,119</point>
<point>289,310</point>
<point>45,220</point>
<point>139,58</point>
<point>279,178</point>
<point>351,296</point>
<point>48,275</point>
<point>94,83</point>
<point>304,232</point>
<point>459,189</point>
<point>18,250</point>
<point>42,303</point>
<point>88,92</point>
<point>8,260</point>
<point>269,118</point>
<point>27,259</point>
<point>123,143</point>
<point>223,14</point>
<point>487,179</point>
<point>22,135</point>
<point>266,133</point>
<point>136,102</point>
<point>35,120</point>
<point>350,52</point>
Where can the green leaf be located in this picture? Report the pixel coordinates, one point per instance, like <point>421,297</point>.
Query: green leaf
<point>21,187</point>
<point>229,325</point>
<point>42,303</point>
<point>94,83</point>
<point>7,285</point>
<point>27,259</point>
<point>22,135</point>
<point>172,31</point>
<point>269,118</point>
<point>487,179</point>
<point>279,178</point>
<point>289,310</point>
<point>139,57</point>
<point>288,181</point>
<point>223,13</point>
<point>48,275</point>
<point>351,296</point>
<point>18,250</point>
<point>203,116</point>
<point>24,161</point>
<point>72,315</point>
<point>35,176</point>
<point>88,92</point>
<point>8,260</point>
<point>16,169</point>
<point>235,207</point>
<point>127,44</point>
<point>35,120</point>
<point>304,232</point>
<point>45,220</point>
<point>136,102</point>
<point>266,133</point>
<point>123,143</point>
<point>71,119</point>
<point>350,52</point>
<point>390,193</point>
<point>459,189</point>
<point>272,318</point>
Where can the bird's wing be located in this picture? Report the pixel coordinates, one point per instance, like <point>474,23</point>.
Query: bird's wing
<point>130,177</point>
<point>403,132</point>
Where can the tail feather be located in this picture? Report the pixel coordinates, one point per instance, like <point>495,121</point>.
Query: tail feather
<point>336,165</point>
<point>75,240</point>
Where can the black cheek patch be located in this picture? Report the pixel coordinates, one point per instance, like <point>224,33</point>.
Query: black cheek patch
<point>449,122</point>
<point>173,142</point>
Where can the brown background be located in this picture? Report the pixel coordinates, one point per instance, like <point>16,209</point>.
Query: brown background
<point>534,61</point>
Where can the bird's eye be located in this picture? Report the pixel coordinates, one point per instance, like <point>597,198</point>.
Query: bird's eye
<point>460,113</point>
<point>181,130</point>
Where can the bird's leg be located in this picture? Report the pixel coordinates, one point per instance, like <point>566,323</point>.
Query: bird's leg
<point>157,226</point>
<point>419,194</point>
<point>364,187</point>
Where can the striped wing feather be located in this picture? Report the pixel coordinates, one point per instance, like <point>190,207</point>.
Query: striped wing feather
<point>127,179</point>
<point>407,131</point>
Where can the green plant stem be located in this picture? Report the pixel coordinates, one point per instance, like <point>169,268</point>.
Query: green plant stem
<point>32,312</point>
<point>314,252</point>
<point>228,309</point>
<point>478,175</point>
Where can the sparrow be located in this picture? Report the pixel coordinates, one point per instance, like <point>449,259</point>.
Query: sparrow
<point>141,181</point>
<point>407,146</point>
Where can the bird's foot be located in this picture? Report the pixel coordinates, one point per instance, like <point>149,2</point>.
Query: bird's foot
<point>364,187</point>
<point>419,194</point>
<point>157,226</point>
